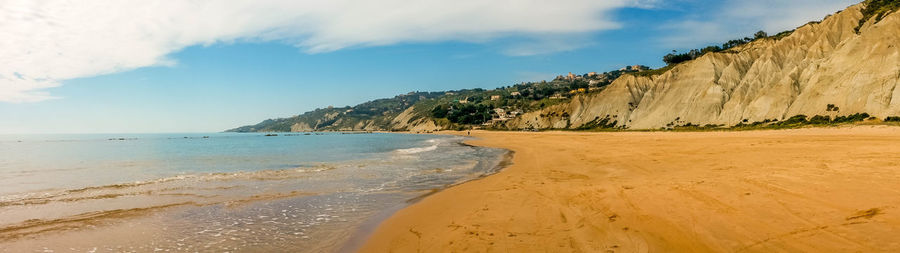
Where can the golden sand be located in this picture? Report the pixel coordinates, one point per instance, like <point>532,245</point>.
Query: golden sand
<point>806,190</point>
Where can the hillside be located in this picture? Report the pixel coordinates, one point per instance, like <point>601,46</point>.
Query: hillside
<point>847,64</point>
<point>430,111</point>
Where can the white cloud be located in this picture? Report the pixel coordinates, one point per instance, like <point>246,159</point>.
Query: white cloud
<point>549,43</point>
<point>740,18</point>
<point>46,42</point>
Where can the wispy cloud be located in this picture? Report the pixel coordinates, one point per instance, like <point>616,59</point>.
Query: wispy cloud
<point>739,18</point>
<point>46,42</point>
<point>550,43</point>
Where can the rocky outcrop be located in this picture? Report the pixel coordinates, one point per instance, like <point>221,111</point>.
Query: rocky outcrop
<point>409,121</point>
<point>824,68</point>
<point>301,127</point>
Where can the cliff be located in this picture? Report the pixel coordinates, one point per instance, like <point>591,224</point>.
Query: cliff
<point>822,68</point>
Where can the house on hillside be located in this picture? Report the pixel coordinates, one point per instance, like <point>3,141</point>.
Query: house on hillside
<point>501,114</point>
<point>495,97</point>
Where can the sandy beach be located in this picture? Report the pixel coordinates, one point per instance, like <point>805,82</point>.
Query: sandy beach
<point>804,190</point>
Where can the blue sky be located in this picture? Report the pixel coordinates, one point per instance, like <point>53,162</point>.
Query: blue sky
<point>179,78</point>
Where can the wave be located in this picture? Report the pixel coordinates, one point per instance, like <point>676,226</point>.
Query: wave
<point>408,151</point>
<point>417,150</point>
<point>159,186</point>
<point>37,226</point>
<point>90,218</point>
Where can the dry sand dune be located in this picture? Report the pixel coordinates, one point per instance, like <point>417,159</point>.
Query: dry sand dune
<point>807,190</point>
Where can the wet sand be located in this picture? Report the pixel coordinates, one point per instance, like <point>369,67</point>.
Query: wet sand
<point>805,190</point>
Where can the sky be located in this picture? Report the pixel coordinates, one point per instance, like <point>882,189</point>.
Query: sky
<point>144,66</point>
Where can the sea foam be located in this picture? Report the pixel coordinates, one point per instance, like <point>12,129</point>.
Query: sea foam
<point>417,150</point>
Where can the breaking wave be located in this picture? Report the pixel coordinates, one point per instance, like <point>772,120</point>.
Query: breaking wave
<point>168,186</point>
<point>417,150</point>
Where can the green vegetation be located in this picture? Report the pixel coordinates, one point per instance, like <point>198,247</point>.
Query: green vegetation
<point>877,9</point>
<point>654,72</point>
<point>378,112</point>
<point>797,121</point>
<point>851,118</point>
<point>892,119</point>
<point>598,123</point>
<point>466,114</point>
<point>782,35</point>
<point>802,121</point>
<point>676,58</point>
<point>475,108</point>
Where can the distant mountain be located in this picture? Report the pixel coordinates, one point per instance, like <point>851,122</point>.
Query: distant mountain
<point>373,115</point>
<point>843,66</point>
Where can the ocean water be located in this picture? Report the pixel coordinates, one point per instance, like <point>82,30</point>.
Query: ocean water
<point>223,192</point>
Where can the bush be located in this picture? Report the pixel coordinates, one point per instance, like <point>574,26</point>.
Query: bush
<point>599,123</point>
<point>852,118</point>
<point>821,120</point>
<point>877,9</point>
<point>654,72</point>
<point>440,111</point>
<point>892,119</point>
<point>469,114</point>
<point>794,120</point>
<point>676,58</point>
<point>818,119</point>
<point>760,35</point>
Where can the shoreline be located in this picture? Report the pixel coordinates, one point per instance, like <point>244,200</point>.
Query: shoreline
<point>367,229</point>
<point>666,191</point>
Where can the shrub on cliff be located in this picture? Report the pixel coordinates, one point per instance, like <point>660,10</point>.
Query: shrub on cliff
<point>798,119</point>
<point>877,9</point>
<point>851,118</point>
<point>819,119</point>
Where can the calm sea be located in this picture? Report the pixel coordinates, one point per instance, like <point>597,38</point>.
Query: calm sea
<point>217,192</point>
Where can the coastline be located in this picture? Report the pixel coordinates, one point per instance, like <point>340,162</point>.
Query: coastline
<point>367,229</point>
<point>781,190</point>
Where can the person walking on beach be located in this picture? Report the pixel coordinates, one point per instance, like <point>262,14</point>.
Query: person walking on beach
<point>468,132</point>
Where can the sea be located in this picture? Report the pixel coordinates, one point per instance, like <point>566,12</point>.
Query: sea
<point>219,192</point>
